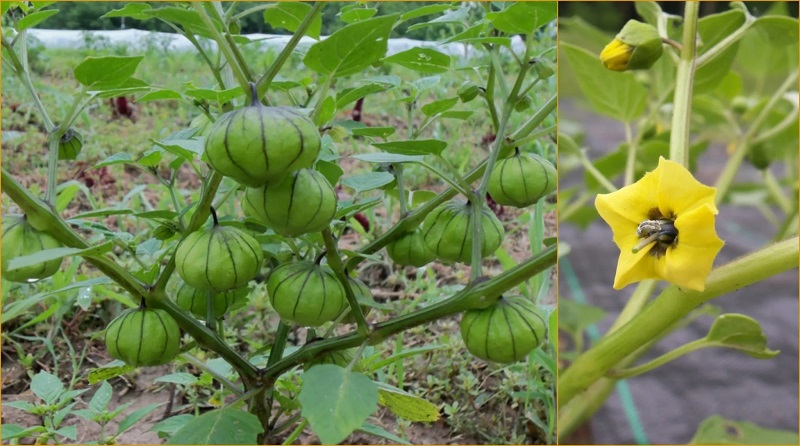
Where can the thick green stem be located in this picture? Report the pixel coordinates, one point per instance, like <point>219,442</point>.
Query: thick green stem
<point>473,296</point>
<point>672,305</point>
<point>239,72</point>
<point>335,262</point>
<point>684,82</point>
<point>263,84</point>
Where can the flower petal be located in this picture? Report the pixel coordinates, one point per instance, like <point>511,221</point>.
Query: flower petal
<point>679,192</point>
<point>689,263</point>
<point>616,55</point>
<point>634,267</point>
<point>629,205</point>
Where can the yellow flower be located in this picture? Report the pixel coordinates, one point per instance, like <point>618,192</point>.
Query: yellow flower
<point>664,227</point>
<point>616,55</point>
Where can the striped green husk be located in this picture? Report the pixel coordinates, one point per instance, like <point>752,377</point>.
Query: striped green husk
<point>143,337</point>
<point>21,239</point>
<point>447,232</point>
<point>410,249</point>
<point>302,202</point>
<point>219,259</point>
<point>306,293</point>
<point>505,332</point>
<point>193,300</point>
<point>521,180</point>
<point>256,145</point>
<point>70,144</point>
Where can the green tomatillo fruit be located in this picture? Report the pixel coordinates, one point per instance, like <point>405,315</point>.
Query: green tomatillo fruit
<point>302,202</point>
<point>410,249</point>
<point>447,232</point>
<point>143,337</point>
<point>21,239</point>
<point>70,144</point>
<point>521,180</point>
<point>306,293</point>
<point>506,331</point>
<point>363,294</point>
<point>193,300</point>
<point>219,259</point>
<point>256,144</point>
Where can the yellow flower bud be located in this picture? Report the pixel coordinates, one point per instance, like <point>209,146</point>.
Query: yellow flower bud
<point>637,46</point>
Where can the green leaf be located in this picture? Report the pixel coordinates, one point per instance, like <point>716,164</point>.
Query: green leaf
<point>456,17</point>
<point>614,94</point>
<point>457,114</point>
<point>439,106</point>
<point>367,181</point>
<point>423,11</point>
<point>352,48</point>
<point>31,20</point>
<point>117,158</point>
<point>133,10</point>
<point>523,17</point>
<point>57,253</point>
<point>47,387</point>
<point>135,416</point>
<point>388,158</point>
<point>186,379</point>
<point>349,95</point>
<point>108,71</point>
<point>18,307</point>
<point>405,405</point>
<point>104,373</point>
<point>712,29</point>
<point>336,402</point>
<point>357,14</point>
<point>219,96</point>
<point>171,425</point>
<point>331,171</point>
<point>224,426</point>
<point>742,333</point>
<point>576,317</point>
<point>413,146</point>
<point>473,32</point>
<point>187,18</point>
<point>184,148</point>
<point>289,15</point>
<point>380,432</point>
<point>105,212</point>
<point>424,60</point>
<point>718,430</point>
<point>160,95</point>
<point>101,398</point>
<point>375,132</point>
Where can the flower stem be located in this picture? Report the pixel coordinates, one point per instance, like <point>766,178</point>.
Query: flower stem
<point>684,82</point>
<point>673,304</point>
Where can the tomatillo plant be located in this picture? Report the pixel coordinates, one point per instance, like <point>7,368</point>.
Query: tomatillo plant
<point>663,209</point>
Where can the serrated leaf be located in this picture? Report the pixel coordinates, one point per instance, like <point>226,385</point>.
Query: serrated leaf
<point>31,20</point>
<point>55,254</point>
<point>614,94</point>
<point>133,10</point>
<point>424,60</point>
<point>224,426</point>
<point>413,146</point>
<point>109,71</point>
<point>523,17</point>
<point>336,402</point>
<point>289,15</point>
<point>352,48</point>
<point>405,405</point>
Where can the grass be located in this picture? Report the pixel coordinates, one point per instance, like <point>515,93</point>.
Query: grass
<point>480,402</point>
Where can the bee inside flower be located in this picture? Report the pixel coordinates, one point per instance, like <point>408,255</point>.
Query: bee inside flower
<point>664,226</point>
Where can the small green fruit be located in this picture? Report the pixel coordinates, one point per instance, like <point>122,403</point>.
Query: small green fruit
<point>193,300</point>
<point>521,180</point>
<point>447,231</point>
<point>303,202</point>
<point>468,91</point>
<point>410,249</point>
<point>256,145</point>
<point>544,68</point>
<point>523,104</point>
<point>219,259</point>
<point>363,294</point>
<point>505,332</point>
<point>21,239</point>
<point>143,337</point>
<point>306,293</point>
<point>70,144</point>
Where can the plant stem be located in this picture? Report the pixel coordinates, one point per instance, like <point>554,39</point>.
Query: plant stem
<point>684,82</point>
<point>473,296</point>
<point>775,190</point>
<point>668,308</point>
<point>263,84</point>
<point>698,344</point>
<point>397,168</point>
<point>202,366</point>
<point>335,262</point>
<point>594,172</point>
<point>239,72</point>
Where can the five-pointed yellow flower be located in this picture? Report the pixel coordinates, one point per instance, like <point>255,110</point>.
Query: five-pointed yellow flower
<point>664,227</point>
